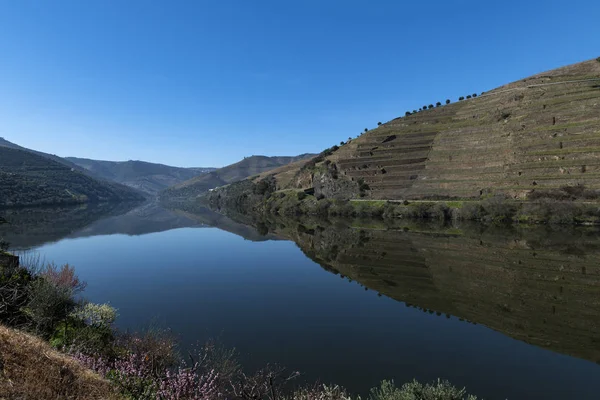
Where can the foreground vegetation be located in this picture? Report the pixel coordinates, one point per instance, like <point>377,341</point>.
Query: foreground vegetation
<point>41,308</point>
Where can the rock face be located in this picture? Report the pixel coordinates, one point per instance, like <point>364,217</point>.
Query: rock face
<point>538,133</point>
<point>333,186</point>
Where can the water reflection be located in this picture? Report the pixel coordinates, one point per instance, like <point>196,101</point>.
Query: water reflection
<point>539,285</point>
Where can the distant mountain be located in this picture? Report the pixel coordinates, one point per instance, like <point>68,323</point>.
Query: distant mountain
<point>147,177</point>
<point>249,166</point>
<point>30,179</point>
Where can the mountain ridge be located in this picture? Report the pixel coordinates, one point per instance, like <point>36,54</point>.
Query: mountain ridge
<point>145,176</point>
<point>242,169</point>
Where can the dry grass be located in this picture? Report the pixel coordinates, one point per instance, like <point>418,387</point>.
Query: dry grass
<point>30,369</point>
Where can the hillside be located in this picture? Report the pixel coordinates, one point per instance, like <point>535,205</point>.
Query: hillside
<point>27,179</point>
<point>542,132</point>
<point>148,177</point>
<point>249,166</point>
<point>31,369</point>
<point>53,157</point>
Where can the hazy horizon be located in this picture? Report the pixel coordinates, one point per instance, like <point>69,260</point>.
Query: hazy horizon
<point>205,84</point>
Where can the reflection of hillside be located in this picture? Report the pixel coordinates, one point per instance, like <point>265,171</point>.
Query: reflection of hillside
<point>208,217</point>
<point>539,287</point>
<point>148,218</point>
<point>31,227</point>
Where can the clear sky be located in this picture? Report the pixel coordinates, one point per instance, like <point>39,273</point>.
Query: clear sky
<point>205,83</point>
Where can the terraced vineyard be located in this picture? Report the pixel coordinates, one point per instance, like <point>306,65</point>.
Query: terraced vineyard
<point>540,132</point>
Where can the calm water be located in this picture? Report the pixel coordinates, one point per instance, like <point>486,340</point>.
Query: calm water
<point>274,303</point>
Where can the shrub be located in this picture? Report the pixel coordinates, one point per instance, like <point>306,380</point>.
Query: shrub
<point>322,208</point>
<point>474,94</point>
<point>424,107</point>
<point>439,211</point>
<point>461,98</point>
<point>379,123</point>
<point>342,143</point>
<point>265,187</point>
<point>598,59</point>
<point>414,111</point>
<point>48,305</point>
<point>366,130</point>
<point>468,96</point>
<point>341,208</point>
<point>14,293</point>
<point>320,392</point>
<point>389,211</point>
<point>430,106</point>
<point>551,211</point>
<point>73,334</point>
<point>301,195</point>
<point>438,104</point>
<point>471,211</point>
<point>100,315</point>
<point>498,209</point>
<point>440,390</point>
<point>418,210</point>
<point>447,101</point>
<point>406,114</point>
<point>320,196</point>
<point>63,277</point>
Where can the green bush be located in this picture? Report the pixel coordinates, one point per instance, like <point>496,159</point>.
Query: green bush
<point>498,209</point>
<point>447,101</point>
<point>440,390</point>
<point>75,335</point>
<point>471,211</point>
<point>48,305</point>
<point>461,98</point>
<point>322,208</point>
<point>341,208</point>
<point>389,211</point>
<point>551,211</point>
<point>301,195</point>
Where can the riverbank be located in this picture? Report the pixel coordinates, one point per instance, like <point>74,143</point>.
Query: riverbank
<point>568,205</point>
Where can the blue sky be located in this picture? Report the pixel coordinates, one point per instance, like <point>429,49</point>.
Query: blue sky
<point>205,83</point>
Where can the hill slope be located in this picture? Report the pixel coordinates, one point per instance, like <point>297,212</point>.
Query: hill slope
<point>31,369</point>
<point>147,177</point>
<point>60,160</point>
<point>232,173</point>
<point>542,132</point>
<point>27,179</point>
